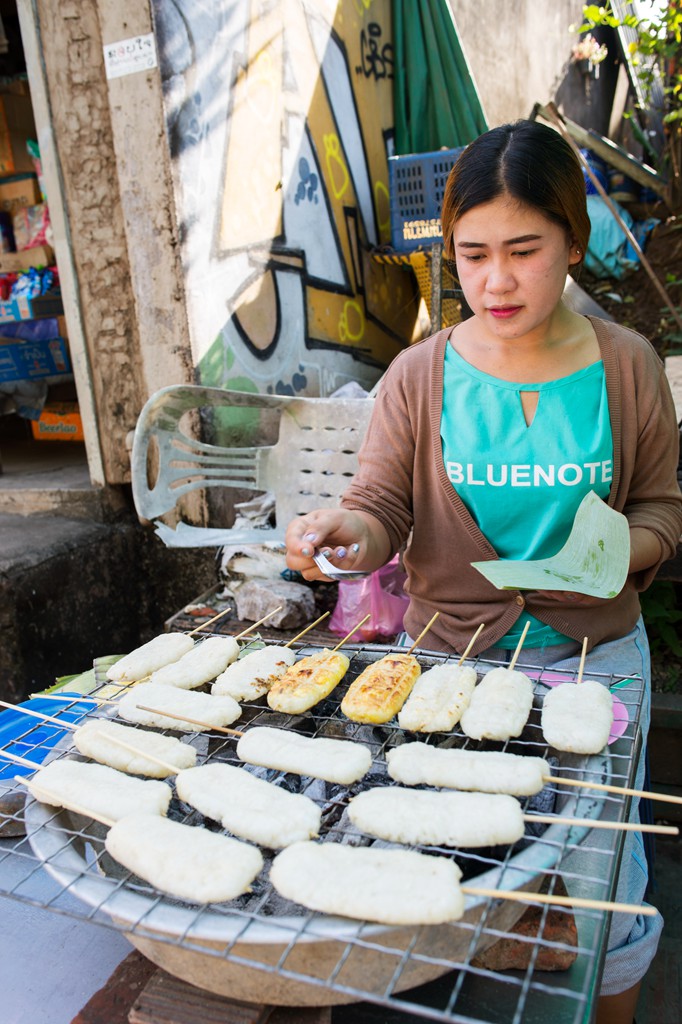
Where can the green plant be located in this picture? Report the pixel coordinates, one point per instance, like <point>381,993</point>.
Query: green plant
<point>660,610</point>
<point>657,54</point>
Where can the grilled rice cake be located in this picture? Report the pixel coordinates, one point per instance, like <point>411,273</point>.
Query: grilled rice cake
<point>381,689</point>
<point>307,682</point>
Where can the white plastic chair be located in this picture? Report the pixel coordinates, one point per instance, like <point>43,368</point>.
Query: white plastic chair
<point>302,450</point>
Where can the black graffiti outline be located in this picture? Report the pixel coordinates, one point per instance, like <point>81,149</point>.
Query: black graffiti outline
<point>374,64</point>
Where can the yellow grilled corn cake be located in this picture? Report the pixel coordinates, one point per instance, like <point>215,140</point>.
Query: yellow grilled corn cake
<point>308,681</point>
<point>381,689</point>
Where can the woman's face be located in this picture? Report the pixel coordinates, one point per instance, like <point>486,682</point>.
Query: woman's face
<point>512,263</point>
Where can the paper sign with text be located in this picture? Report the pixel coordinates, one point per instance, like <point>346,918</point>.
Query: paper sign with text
<point>127,56</point>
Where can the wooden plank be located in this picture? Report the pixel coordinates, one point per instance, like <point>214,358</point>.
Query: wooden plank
<point>608,151</point>
<point>168,1000</point>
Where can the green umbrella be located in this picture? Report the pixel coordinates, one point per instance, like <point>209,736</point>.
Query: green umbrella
<point>435,97</point>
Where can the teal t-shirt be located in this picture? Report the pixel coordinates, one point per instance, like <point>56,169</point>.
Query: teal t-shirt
<point>522,483</point>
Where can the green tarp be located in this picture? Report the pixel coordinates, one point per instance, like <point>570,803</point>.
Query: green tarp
<point>436,102</point>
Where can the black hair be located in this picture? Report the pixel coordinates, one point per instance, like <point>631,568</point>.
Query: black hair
<point>529,162</point>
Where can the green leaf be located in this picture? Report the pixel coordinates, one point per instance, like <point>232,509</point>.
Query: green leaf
<point>594,560</point>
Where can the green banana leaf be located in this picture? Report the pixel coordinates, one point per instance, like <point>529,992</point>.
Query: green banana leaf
<point>594,560</point>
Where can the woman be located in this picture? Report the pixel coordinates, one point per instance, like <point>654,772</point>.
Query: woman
<point>486,437</point>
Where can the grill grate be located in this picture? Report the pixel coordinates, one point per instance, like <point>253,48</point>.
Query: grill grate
<point>265,945</point>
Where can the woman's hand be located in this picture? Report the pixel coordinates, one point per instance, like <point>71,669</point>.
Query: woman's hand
<point>349,539</point>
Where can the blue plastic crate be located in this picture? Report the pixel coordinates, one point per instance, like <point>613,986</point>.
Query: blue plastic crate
<point>417,186</point>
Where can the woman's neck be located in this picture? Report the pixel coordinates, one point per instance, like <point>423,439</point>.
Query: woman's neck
<point>563,345</point>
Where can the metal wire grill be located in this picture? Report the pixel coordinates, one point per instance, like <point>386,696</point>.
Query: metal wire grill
<point>267,943</point>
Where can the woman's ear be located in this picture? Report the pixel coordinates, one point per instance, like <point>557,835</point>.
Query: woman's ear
<point>575,253</point>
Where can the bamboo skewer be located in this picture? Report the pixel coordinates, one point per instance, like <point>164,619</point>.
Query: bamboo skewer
<point>37,714</point>
<point>424,631</point>
<point>614,826</point>
<point>72,698</point>
<point>349,635</point>
<point>193,721</point>
<point>581,667</point>
<point>260,622</point>
<point>561,901</point>
<point>74,728</point>
<point>76,808</point>
<point>173,769</point>
<point>471,644</point>
<point>209,622</point>
<point>308,628</point>
<point>512,663</point>
<point>102,700</point>
<point>126,684</point>
<point>20,760</point>
<point>606,788</point>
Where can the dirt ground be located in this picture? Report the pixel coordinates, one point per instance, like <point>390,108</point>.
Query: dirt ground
<point>636,302</point>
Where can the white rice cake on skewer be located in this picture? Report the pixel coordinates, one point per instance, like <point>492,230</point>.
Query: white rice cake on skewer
<point>202,707</point>
<point>96,789</point>
<point>249,807</point>
<point>162,650</point>
<point>416,764</point>
<point>415,816</point>
<point>578,717</point>
<point>96,739</point>
<point>190,863</point>
<point>321,757</point>
<point>400,887</point>
<point>438,699</point>
<point>203,663</point>
<point>499,706</point>
<point>253,674</point>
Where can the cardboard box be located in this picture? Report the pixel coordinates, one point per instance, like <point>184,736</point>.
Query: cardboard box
<point>59,421</point>
<point>49,304</point>
<point>18,191</point>
<point>39,256</point>
<point>16,126</point>
<point>32,360</point>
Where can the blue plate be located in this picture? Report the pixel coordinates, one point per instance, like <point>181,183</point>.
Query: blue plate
<point>25,736</point>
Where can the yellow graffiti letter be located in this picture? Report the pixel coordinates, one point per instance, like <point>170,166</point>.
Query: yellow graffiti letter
<point>336,168</point>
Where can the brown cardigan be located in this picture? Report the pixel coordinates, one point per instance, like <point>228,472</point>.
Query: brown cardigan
<point>403,483</point>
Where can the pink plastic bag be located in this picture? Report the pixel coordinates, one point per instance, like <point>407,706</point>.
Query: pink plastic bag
<point>381,595</point>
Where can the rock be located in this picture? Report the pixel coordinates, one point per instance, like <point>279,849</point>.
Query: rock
<point>256,598</point>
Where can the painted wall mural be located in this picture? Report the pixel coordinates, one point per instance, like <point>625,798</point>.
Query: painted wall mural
<point>280,120</point>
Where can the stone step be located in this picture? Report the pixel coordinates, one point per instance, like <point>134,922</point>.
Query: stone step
<point>51,476</point>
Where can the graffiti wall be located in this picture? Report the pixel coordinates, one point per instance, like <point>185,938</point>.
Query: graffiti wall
<point>279,116</point>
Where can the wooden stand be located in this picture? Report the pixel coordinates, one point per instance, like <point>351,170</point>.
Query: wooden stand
<point>138,992</point>
<point>167,1000</point>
